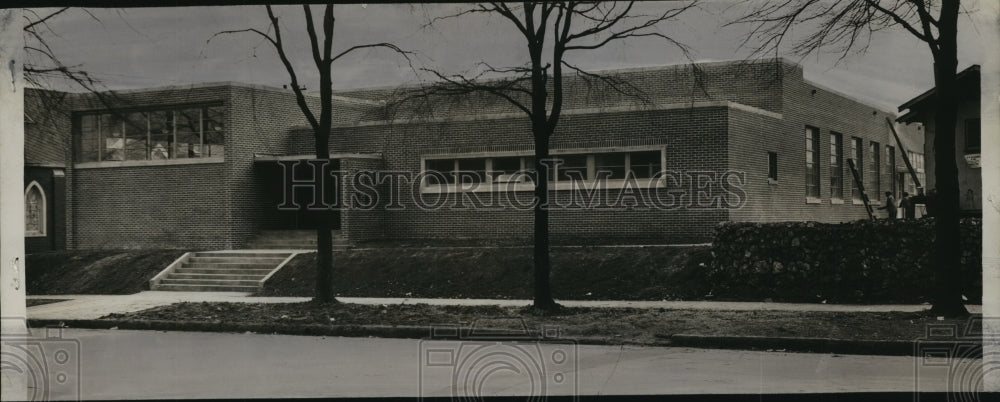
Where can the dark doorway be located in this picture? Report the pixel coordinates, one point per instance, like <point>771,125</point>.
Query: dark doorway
<point>280,213</point>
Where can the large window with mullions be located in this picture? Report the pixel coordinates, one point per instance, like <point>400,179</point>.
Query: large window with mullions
<point>153,134</point>
<point>566,168</point>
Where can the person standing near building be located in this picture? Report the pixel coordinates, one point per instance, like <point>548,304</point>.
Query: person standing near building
<point>890,205</point>
<point>907,205</point>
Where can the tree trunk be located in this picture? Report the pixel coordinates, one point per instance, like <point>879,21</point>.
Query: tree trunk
<point>947,299</point>
<point>324,232</point>
<point>543,291</point>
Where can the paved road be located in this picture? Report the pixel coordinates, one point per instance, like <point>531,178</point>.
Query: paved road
<point>150,364</point>
<point>97,306</point>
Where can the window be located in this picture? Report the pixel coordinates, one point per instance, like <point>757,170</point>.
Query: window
<point>644,164</point>
<point>520,169</point>
<point>573,167</point>
<point>188,133</point>
<point>611,165</point>
<point>114,141</point>
<point>446,168</point>
<point>890,165</point>
<point>192,132</point>
<point>88,144</point>
<point>875,187</point>
<point>136,136</point>
<point>472,170</point>
<point>836,166</point>
<point>161,135</point>
<point>812,164</point>
<point>973,136</point>
<point>213,135</point>
<point>640,165</point>
<point>917,161</point>
<point>34,210</point>
<point>857,156</point>
<point>505,170</point>
<point>772,166</point>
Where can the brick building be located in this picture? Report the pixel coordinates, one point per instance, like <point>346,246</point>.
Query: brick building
<point>203,166</point>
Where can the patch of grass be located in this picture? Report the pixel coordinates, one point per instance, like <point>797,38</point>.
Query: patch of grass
<point>113,272</point>
<point>628,325</point>
<point>589,273</point>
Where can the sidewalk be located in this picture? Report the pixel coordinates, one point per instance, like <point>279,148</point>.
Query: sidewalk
<point>86,307</point>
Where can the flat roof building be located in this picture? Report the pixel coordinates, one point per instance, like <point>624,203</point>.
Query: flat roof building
<point>207,166</point>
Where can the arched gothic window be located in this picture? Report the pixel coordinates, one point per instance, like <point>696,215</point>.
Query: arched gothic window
<point>34,210</point>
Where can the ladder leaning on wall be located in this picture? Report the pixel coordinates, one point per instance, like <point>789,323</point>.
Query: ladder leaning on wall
<point>861,188</point>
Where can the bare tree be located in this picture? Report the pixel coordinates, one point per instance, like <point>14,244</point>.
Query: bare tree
<point>42,65</point>
<point>323,58</point>
<point>536,88</point>
<point>847,26</point>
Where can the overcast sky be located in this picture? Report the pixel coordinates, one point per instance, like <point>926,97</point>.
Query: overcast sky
<point>145,47</point>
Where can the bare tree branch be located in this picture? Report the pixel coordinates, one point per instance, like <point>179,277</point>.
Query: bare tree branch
<point>537,88</point>
<point>43,20</point>
<point>848,25</point>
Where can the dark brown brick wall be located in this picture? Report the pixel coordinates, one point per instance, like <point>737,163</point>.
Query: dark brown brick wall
<point>222,205</point>
<point>215,205</point>
<point>694,139</point>
<point>181,206</point>
<point>806,105</point>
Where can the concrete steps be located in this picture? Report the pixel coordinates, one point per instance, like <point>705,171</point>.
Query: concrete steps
<point>220,271</point>
<point>294,240</point>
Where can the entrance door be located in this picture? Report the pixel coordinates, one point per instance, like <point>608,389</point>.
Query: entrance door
<point>273,175</point>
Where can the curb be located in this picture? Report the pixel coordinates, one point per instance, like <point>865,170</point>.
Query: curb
<point>966,348</point>
<point>358,331</point>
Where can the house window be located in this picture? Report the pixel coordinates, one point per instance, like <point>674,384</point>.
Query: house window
<point>890,164</point>
<point>191,132</point>
<point>34,210</point>
<point>772,166</point>
<point>875,188</point>
<point>857,157</point>
<point>836,166</point>
<point>973,137</point>
<point>812,163</point>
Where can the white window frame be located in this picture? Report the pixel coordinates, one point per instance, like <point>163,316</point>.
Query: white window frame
<point>43,210</point>
<point>489,185</point>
